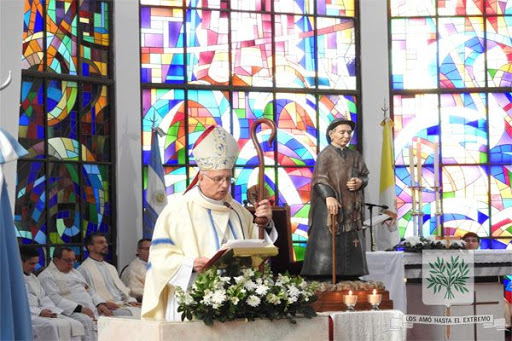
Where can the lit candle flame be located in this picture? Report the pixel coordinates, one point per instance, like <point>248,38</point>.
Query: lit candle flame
<point>374,291</point>
<point>350,292</point>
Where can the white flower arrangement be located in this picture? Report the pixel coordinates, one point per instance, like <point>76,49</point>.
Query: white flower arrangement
<point>252,295</point>
<point>417,244</point>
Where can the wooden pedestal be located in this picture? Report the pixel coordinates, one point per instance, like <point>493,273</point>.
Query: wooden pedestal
<point>333,301</point>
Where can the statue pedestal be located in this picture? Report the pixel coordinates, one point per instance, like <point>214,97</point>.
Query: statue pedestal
<point>333,300</point>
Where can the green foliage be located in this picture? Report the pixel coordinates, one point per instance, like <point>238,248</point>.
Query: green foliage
<point>449,275</point>
<point>249,296</point>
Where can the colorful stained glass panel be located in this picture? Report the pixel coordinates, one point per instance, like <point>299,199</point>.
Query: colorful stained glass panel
<point>415,117</point>
<point>500,128</point>
<point>499,51</point>
<point>162,45</point>
<point>295,190</point>
<point>217,4</point>
<point>501,201</point>
<point>297,133</point>
<point>465,200</point>
<point>96,204</point>
<point>464,127</point>
<point>30,206</point>
<point>31,133</point>
<point>337,8</point>
<point>336,53</point>
<point>295,51</point>
<point>414,56</point>
<point>294,6</point>
<point>408,8</point>
<point>498,7</point>
<point>206,108</point>
<point>33,26</point>
<point>164,109</point>
<point>461,52</point>
<point>207,47</point>
<point>254,5</point>
<point>251,49</point>
<point>457,7</point>
<point>62,119</point>
<point>61,26</point>
<point>95,26</point>
<point>165,2</point>
<point>63,203</point>
<point>248,177</point>
<point>247,108</point>
<point>95,123</point>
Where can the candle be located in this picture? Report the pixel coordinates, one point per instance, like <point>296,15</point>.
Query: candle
<point>420,159</point>
<point>411,163</point>
<point>375,298</point>
<point>436,165</point>
<point>419,209</point>
<point>413,188</point>
<point>350,300</point>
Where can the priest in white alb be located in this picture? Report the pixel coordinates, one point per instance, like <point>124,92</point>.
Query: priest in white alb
<point>67,288</point>
<point>47,321</point>
<point>103,277</point>
<point>193,227</point>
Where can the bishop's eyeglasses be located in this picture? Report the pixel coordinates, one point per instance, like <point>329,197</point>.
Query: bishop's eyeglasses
<point>220,179</point>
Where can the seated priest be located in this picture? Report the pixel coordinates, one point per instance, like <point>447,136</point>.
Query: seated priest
<point>193,227</point>
<point>68,289</point>
<point>104,279</point>
<point>47,321</point>
<point>134,276</point>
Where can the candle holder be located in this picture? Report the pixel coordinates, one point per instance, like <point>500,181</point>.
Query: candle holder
<point>375,300</point>
<point>350,301</point>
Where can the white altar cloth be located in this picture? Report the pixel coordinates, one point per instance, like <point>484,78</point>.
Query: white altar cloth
<point>380,325</point>
<point>487,263</point>
<point>115,328</point>
<point>388,267</point>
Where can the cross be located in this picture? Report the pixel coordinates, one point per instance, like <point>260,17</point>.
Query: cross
<point>356,242</point>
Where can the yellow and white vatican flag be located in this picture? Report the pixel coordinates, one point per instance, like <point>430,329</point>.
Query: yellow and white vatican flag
<point>386,233</point>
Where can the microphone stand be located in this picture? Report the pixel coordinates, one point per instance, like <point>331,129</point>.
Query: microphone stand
<point>370,208</point>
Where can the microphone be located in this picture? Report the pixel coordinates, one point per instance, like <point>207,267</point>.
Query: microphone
<point>228,205</point>
<point>370,206</point>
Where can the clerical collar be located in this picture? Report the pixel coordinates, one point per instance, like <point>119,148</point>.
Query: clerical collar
<point>210,200</point>
<point>96,260</point>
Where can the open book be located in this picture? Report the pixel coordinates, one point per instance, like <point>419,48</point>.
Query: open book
<point>245,248</point>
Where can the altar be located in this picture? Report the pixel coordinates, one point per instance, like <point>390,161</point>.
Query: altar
<point>401,274</point>
<point>336,326</point>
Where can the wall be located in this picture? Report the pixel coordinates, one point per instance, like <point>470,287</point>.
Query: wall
<point>128,129</point>
<point>11,32</point>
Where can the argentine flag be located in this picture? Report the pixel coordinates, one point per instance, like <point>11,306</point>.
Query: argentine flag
<point>156,195</point>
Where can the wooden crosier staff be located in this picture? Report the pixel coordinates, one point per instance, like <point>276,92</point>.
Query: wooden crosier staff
<point>261,221</point>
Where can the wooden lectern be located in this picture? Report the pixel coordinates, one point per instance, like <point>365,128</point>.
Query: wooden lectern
<point>285,260</point>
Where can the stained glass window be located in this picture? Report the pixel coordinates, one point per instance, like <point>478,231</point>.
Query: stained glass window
<point>232,62</point>
<point>451,77</point>
<point>64,188</point>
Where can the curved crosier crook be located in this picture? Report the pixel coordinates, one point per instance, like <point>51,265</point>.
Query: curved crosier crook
<point>7,82</point>
<point>261,221</point>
